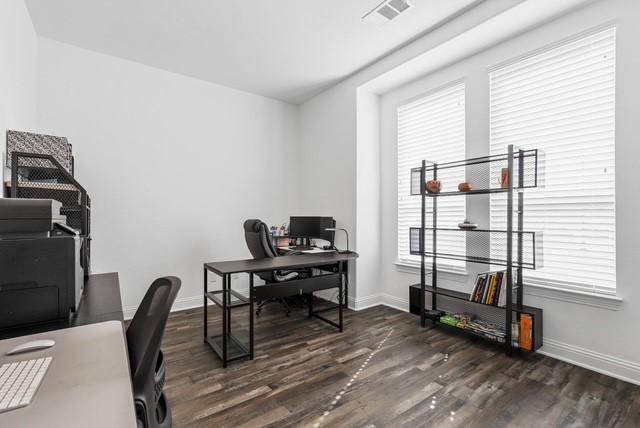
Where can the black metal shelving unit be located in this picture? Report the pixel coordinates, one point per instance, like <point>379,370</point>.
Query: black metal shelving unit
<point>520,245</point>
<point>228,346</point>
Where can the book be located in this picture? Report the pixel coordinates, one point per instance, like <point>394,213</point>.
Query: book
<point>487,289</point>
<point>449,320</point>
<point>480,289</point>
<point>502,298</point>
<point>474,290</point>
<point>526,332</point>
<point>499,284</point>
<point>494,289</point>
<point>490,288</point>
<point>483,298</point>
<point>515,333</point>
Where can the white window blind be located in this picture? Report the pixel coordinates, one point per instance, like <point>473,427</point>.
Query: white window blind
<point>431,128</point>
<point>562,100</point>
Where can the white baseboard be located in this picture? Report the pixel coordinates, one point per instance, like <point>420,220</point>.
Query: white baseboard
<point>366,302</point>
<point>180,304</point>
<point>601,363</point>
<point>394,302</point>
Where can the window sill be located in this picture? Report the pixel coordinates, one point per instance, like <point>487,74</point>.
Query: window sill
<point>603,301</point>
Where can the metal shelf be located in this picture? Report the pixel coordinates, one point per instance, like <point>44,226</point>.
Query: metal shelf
<point>465,297</point>
<point>474,333</point>
<point>235,349</point>
<point>215,297</point>
<point>479,244</point>
<point>483,173</point>
<point>470,192</point>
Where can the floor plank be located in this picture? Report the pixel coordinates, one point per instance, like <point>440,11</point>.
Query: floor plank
<point>417,378</point>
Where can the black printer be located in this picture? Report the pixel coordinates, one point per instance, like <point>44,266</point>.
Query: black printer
<point>41,278</point>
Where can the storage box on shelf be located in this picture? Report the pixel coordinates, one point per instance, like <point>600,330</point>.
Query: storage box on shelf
<point>515,249</point>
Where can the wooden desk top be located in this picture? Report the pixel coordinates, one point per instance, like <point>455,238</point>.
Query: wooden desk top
<point>278,263</point>
<point>88,383</point>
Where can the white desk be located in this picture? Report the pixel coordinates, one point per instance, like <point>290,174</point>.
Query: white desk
<point>88,382</point>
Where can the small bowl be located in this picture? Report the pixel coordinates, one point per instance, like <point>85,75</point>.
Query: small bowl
<point>467,225</point>
<point>465,187</point>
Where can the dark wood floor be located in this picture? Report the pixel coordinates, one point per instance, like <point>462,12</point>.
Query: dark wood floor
<point>418,377</point>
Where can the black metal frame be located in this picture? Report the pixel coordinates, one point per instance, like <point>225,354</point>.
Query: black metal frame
<point>222,343</point>
<point>510,308</point>
<point>85,200</point>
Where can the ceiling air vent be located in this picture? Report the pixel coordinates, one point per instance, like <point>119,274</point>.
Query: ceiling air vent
<point>386,11</point>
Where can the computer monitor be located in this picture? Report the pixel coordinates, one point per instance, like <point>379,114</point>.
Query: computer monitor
<point>311,227</point>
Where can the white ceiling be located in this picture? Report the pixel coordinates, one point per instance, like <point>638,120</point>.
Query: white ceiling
<point>285,49</point>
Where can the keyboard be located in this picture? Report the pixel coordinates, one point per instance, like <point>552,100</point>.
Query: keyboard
<point>19,382</point>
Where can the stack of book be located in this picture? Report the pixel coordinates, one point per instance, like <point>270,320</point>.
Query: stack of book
<point>488,330</point>
<point>521,332</point>
<point>490,288</point>
<point>468,322</point>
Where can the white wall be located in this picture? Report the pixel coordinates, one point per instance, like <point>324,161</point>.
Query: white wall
<point>18,53</point>
<point>173,164</point>
<point>585,330</point>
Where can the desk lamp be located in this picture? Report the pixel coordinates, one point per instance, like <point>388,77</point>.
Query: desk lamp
<point>333,229</point>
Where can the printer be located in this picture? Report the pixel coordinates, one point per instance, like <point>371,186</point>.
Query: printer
<point>41,277</point>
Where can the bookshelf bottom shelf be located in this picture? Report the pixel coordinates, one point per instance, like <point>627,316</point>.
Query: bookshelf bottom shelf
<point>499,340</point>
<point>535,315</point>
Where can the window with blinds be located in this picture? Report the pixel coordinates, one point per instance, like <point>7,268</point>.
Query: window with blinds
<point>562,100</point>
<point>431,128</point>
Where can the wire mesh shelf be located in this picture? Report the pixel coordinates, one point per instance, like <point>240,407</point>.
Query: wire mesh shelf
<point>483,174</point>
<point>478,245</point>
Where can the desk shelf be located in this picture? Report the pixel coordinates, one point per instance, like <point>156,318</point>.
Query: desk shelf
<point>239,302</point>
<point>235,349</point>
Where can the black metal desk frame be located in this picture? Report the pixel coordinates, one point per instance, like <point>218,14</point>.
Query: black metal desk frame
<point>229,347</point>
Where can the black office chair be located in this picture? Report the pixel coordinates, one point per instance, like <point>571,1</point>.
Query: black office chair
<point>256,233</point>
<point>144,335</point>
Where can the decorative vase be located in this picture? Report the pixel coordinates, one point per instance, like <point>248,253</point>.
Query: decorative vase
<point>433,186</point>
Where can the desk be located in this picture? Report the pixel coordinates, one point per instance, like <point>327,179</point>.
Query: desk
<point>226,345</point>
<point>88,383</point>
<point>100,302</point>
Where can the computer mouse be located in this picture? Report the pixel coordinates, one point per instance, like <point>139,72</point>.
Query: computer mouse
<point>34,345</point>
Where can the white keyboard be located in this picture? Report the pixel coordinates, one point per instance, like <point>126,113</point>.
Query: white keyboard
<point>19,382</point>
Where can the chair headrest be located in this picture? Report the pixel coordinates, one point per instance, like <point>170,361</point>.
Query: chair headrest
<point>252,225</point>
